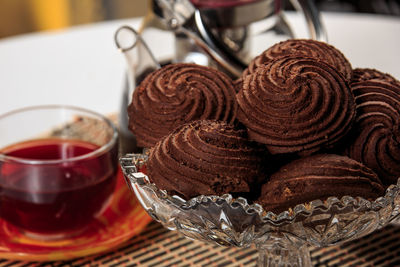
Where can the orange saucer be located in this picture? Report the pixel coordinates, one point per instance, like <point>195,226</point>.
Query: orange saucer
<point>122,219</point>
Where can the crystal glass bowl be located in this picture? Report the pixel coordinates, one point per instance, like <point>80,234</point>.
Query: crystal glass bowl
<point>282,239</point>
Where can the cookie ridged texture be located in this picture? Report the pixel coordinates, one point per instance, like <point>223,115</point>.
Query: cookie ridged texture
<point>376,137</point>
<point>205,158</point>
<point>366,74</point>
<point>318,177</point>
<point>296,105</point>
<point>237,84</point>
<point>305,48</point>
<point>177,94</point>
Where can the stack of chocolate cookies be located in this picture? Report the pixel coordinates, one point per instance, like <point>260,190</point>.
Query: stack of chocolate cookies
<point>299,124</point>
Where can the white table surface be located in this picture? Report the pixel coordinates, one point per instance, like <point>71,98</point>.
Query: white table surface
<point>81,66</point>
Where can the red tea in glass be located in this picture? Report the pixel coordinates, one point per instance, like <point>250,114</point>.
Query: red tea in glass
<point>53,187</point>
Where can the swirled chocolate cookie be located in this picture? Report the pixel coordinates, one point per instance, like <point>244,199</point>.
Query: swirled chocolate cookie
<point>375,141</point>
<point>305,48</point>
<point>296,105</point>
<point>318,177</point>
<point>176,94</point>
<point>365,74</point>
<point>205,158</point>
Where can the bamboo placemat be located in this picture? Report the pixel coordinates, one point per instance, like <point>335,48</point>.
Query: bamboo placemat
<point>157,246</point>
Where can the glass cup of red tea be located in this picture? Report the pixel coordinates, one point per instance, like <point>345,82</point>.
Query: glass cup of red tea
<point>58,167</point>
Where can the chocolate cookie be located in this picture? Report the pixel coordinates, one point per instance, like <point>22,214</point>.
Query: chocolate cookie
<point>318,177</point>
<point>376,137</point>
<point>205,158</point>
<point>296,105</point>
<point>176,94</point>
<point>365,74</point>
<point>305,48</point>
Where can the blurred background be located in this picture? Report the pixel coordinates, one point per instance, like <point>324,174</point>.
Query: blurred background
<point>24,16</point>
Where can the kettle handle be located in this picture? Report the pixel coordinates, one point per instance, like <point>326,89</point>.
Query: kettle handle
<point>140,60</point>
<point>314,23</point>
<point>138,56</point>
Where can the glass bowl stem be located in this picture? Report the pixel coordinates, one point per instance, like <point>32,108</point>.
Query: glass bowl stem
<point>282,254</point>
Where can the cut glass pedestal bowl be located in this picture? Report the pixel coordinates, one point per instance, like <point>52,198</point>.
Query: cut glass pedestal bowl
<point>282,239</point>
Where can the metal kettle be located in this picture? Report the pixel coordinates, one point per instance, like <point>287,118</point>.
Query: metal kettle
<point>222,33</point>
<point>217,33</point>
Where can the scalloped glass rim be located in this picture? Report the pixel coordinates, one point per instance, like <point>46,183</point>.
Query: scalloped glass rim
<point>131,162</point>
